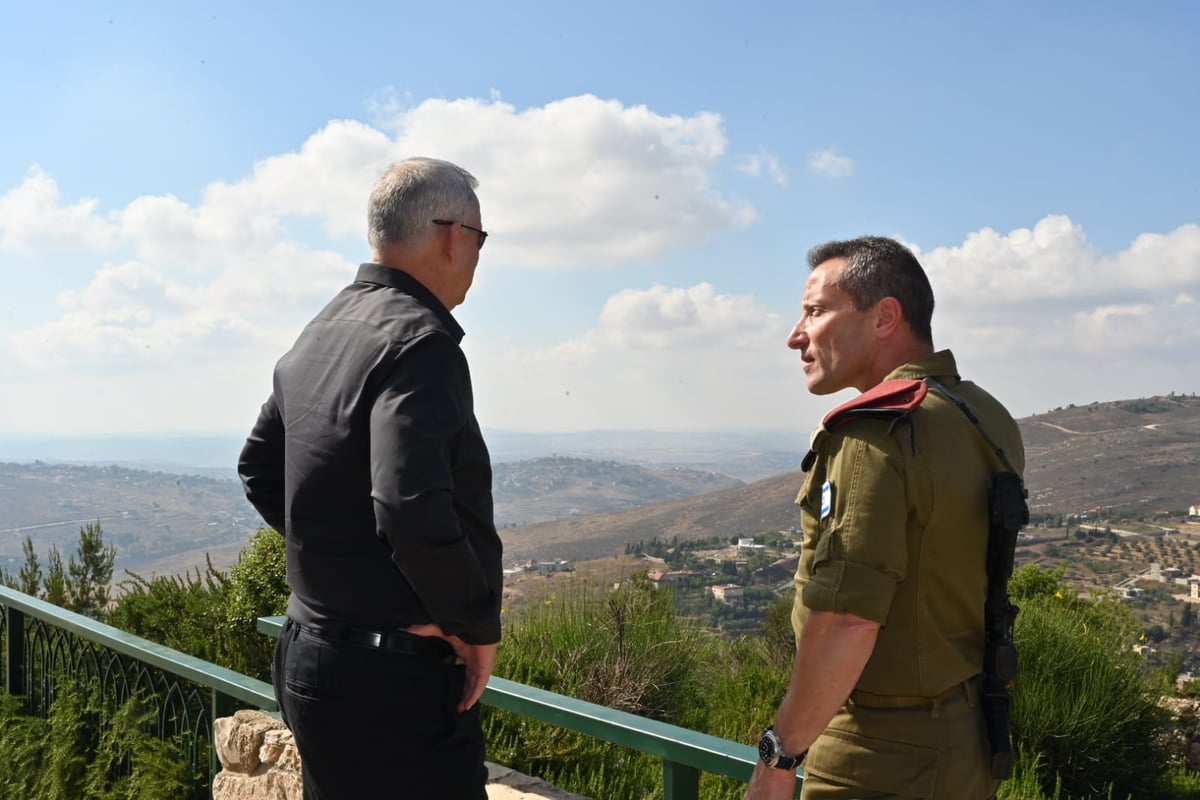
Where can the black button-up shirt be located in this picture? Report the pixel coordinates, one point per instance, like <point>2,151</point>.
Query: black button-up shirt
<point>368,455</point>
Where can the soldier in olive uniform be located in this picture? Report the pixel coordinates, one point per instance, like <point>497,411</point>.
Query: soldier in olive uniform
<point>889,613</point>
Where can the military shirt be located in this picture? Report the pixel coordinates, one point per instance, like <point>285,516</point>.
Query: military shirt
<point>895,525</point>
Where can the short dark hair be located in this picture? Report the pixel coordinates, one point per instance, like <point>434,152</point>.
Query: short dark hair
<point>879,267</point>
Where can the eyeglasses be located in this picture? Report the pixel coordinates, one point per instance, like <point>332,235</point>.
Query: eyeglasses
<point>481,233</point>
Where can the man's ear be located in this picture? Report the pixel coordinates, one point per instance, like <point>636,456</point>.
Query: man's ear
<point>446,241</point>
<point>888,317</point>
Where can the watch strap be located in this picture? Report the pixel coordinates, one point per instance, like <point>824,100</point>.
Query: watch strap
<point>781,760</point>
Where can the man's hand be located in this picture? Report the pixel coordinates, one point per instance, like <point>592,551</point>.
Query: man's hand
<point>479,658</point>
<point>769,783</point>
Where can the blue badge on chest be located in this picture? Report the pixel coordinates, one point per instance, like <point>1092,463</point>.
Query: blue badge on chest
<point>826,499</point>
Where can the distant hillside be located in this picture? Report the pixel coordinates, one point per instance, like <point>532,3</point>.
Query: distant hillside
<point>765,505</point>
<point>1128,456</point>
<point>747,455</point>
<point>165,523</point>
<point>542,489</point>
<point>146,515</point>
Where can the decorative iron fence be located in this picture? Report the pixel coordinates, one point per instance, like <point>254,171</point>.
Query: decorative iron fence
<point>42,644</point>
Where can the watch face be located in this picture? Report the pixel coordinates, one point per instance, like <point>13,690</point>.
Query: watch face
<point>768,748</point>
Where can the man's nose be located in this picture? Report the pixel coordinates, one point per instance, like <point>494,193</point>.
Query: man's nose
<point>797,339</point>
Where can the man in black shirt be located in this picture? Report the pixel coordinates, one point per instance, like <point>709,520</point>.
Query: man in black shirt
<point>368,456</point>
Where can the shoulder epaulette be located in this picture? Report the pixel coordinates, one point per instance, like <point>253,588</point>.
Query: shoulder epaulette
<point>887,400</point>
<point>891,400</point>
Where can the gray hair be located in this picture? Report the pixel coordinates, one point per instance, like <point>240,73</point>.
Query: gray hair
<point>878,267</point>
<point>410,194</point>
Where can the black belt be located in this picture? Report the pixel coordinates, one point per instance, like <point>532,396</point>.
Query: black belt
<point>390,641</point>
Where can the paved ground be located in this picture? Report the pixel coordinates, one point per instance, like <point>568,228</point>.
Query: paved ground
<point>504,784</point>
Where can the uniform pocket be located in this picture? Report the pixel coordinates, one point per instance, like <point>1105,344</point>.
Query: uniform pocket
<point>826,548</point>
<point>868,763</point>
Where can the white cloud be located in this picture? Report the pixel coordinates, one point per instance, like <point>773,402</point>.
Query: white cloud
<point>128,318</point>
<point>328,179</point>
<point>1053,263</point>
<point>657,358</point>
<point>190,302</point>
<point>581,182</point>
<point>178,289</point>
<point>31,218</point>
<point>1042,311</point>
<point>764,163</point>
<point>1038,316</point>
<point>828,162</point>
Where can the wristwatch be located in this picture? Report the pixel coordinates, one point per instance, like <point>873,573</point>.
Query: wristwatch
<point>771,752</point>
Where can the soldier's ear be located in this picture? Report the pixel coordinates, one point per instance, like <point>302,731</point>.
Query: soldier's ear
<point>888,317</point>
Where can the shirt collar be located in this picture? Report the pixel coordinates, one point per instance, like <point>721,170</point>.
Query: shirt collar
<point>939,365</point>
<point>400,280</point>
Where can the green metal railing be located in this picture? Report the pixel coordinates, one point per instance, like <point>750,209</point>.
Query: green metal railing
<point>43,641</point>
<point>685,753</point>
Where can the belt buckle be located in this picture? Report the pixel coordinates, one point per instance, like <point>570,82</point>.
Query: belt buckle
<point>374,639</point>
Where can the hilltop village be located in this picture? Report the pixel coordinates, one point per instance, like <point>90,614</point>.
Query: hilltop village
<point>727,584</point>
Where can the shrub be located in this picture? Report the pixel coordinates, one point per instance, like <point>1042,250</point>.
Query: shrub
<point>257,587</point>
<point>181,612</point>
<point>624,649</point>
<point>1083,700</point>
<point>221,609</point>
<point>88,749</point>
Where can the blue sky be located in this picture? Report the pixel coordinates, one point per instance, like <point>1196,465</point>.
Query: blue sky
<point>180,190</point>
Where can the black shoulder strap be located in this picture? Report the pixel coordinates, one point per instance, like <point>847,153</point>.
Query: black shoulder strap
<point>941,389</point>
<point>1007,513</point>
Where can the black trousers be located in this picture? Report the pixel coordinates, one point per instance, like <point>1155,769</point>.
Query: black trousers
<point>375,724</point>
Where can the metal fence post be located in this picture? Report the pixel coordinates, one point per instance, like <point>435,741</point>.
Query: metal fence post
<point>680,782</point>
<point>14,681</point>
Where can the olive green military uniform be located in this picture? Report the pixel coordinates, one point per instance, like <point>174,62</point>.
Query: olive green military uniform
<point>895,531</point>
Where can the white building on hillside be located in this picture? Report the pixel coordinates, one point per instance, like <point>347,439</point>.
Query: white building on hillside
<point>729,593</point>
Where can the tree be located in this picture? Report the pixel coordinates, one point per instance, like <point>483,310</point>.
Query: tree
<point>55,581</point>
<point>222,608</point>
<point>153,609</point>
<point>257,587</point>
<point>30,576</point>
<point>89,576</point>
<point>1156,633</point>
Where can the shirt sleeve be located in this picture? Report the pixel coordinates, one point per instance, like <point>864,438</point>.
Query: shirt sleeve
<point>861,550</point>
<point>260,466</point>
<point>423,405</point>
